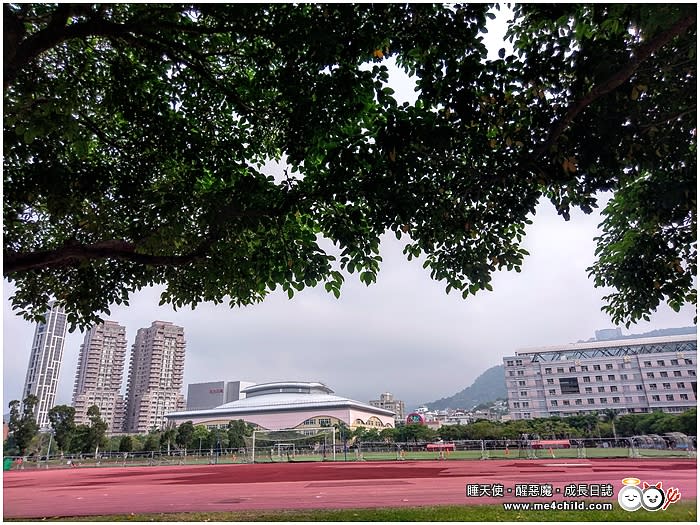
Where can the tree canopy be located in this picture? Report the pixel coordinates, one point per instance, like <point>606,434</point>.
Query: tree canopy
<point>136,140</point>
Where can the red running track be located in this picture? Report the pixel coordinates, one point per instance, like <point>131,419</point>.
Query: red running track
<point>100,491</point>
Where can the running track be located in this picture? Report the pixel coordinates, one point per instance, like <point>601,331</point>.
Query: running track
<point>100,491</point>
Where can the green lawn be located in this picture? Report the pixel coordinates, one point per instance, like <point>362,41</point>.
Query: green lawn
<point>683,511</point>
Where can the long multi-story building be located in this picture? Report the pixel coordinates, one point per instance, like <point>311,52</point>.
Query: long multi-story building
<point>629,375</point>
<point>98,380</point>
<point>387,402</point>
<point>156,372</point>
<point>45,362</point>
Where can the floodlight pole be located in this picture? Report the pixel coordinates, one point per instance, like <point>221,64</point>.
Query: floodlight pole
<point>253,455</point>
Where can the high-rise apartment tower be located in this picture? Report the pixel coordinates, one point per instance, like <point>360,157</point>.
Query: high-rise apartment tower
<point>45,362</point>
<point>156,372</point>
<point>98,380</point>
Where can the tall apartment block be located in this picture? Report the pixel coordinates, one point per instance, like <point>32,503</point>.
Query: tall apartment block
<point>387,402</point>
<point>98,380</point>
<point>45,362</point>
<point>155,380</point>
<point>629,375</point>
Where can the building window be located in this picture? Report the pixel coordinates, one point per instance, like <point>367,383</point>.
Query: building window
<point>521,373</point>
<point>667,386</point>
<point>650,374</point>
<point>584,368</point>
<point>680,384</point>
<point>547,370</point>
<point>511,373</point>
<point>674,362</point>
<point>560,370</point>
<point>603,400</point>
<point>596,367</point>
<point>589,390</point>
<point>684,397</point>
<point>523,393</point>
<point>647,363</point>
<point>566,402</point>
<point>552,392</point>
<point>586,379</point>
<point>598,378</point>
<point>550,381</point>
<point>590,401</point>
<point>609,366</point>
<point>691,372</point>
<point>655,398</point>
<point>669,397</point>
<point>639,387</point>
<point>555,403</point>
<point>572,369</point>
<point>569,385</point>
<point>613,388</point>
<point>623,377</point>
<point>509,363</point>
<point>518,362</point>
<point>664,374</point>
<point>611,377</point>
<point>676,373</point>
<point>516,404</point>
<point>601,389</point>
<point>578,402</point>
<point>661,362</point>
<point>521,383</point>
<point>652,386</point>
<point>526,404</point>
<point>616,399</point>
<point>688,361</point>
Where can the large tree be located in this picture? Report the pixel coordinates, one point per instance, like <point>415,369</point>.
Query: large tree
<point>22,423</point>
<point>136,139</point>
<point>62,419</point>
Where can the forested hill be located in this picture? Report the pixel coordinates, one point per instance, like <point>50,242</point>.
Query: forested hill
<point>488,386</point>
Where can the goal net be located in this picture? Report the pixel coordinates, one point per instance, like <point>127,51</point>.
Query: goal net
<point>307,444</point>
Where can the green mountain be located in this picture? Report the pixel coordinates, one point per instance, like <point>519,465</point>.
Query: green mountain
<point>489,386</point>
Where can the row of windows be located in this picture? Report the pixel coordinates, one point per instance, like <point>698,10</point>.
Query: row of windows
<point>604,400</point>
<point>610,366</point>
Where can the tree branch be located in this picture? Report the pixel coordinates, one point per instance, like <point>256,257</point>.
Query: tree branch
<point>73,254</point>
<point>613,82</point>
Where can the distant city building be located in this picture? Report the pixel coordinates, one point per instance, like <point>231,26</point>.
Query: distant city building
<point>629,375</point>
<point>608,334</point>
<point>155,380</point>
<point>387,402</point>
<point>201,396</point>
<point>289,404</point>
<point>45,362</point>
<point>98,380</point>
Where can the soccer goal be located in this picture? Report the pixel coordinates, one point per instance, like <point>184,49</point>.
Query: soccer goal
<point>307,444</point>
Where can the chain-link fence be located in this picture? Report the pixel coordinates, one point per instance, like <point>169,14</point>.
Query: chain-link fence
<point>673,445</point>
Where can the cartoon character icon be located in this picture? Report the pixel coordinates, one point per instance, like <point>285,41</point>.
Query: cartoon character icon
<point>630,498</point>
<point>653,497</point>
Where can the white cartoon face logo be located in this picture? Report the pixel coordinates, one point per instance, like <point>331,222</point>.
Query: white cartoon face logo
<point>630,498</point>
<point>653,498</point>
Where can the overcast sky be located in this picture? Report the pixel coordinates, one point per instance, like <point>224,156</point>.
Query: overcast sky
<point>402,335</point>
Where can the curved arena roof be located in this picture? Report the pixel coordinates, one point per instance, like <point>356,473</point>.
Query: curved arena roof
<point>283,397</point>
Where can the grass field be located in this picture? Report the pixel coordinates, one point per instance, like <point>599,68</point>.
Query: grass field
<point>683,511</point>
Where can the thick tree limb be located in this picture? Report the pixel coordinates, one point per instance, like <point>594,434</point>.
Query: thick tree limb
<point>73,254</point>
<point>613,82</point>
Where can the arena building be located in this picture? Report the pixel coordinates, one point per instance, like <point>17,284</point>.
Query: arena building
<point>628,375</point>
<point>287,405</point>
